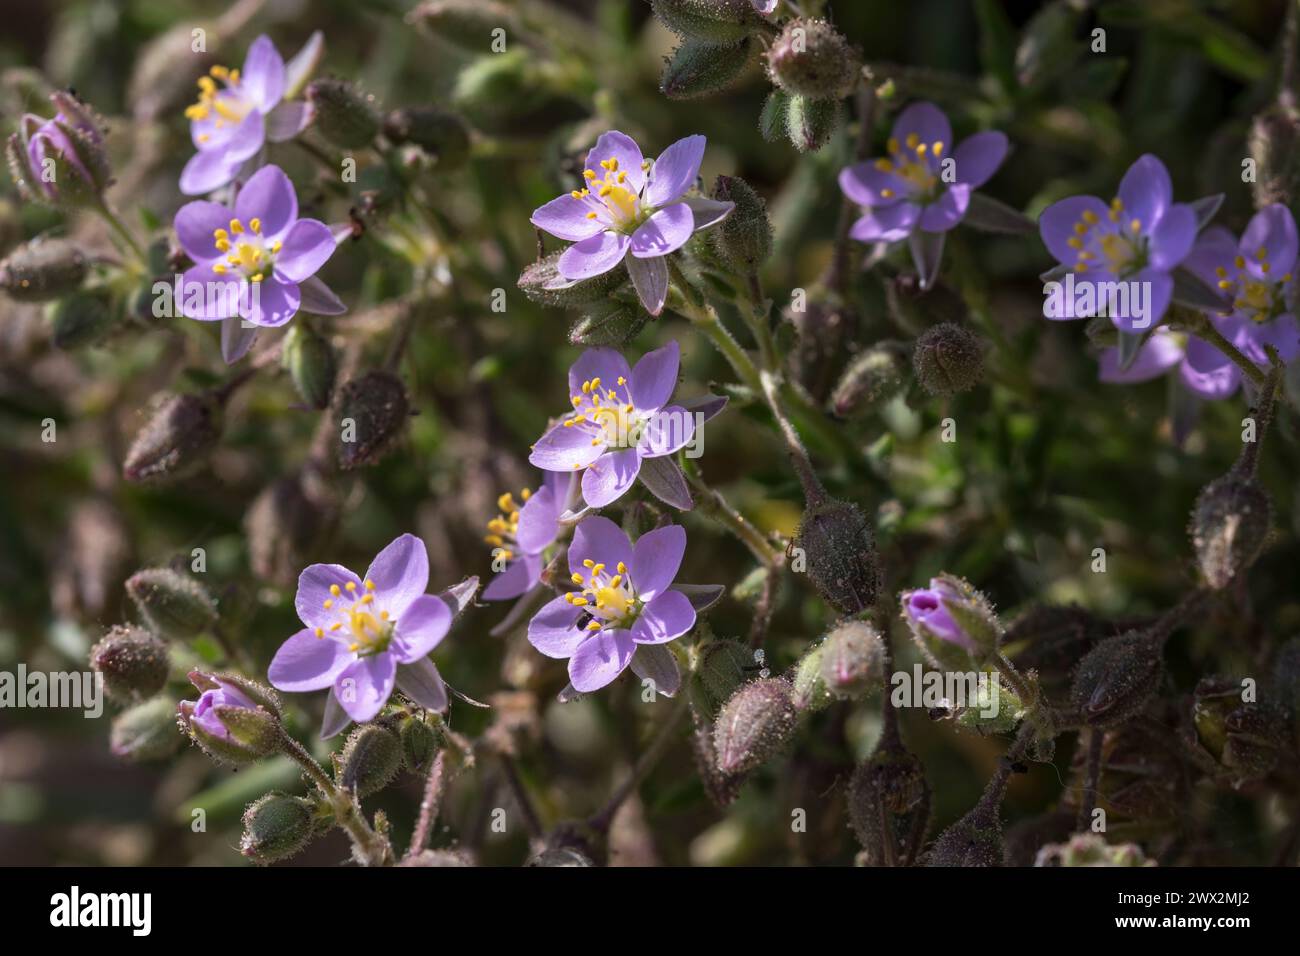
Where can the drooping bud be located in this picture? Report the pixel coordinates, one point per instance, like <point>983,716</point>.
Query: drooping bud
<point>372,412</point>
<point>134,663</point>
<point>721,670</point>
<point>810,691</point>
<point>840,551</point>
<point>811,123</point>
<point>542,283</point>
<point>276,827</point>
<point>744,238</point>
<point>853,657</point>
<point>80,319</point>
<point>440,134</point>
<point>772,119</point>
<point>1091,849</point>
<point>235,720</point>
<point>285,524</point>
<point>952,623</point>
<point>889,798</point>
<point>754,725</point>
<point>146,731</point>
<point>343,114</point>
<point>419,743</point>
<point>310,361</point>
<point>173,605</point>
<point>611,324</point>
<point>176,441</point>
<point>948,359</point>
<point>811,58</point>
<point>42,269</point>
<point>1274,141</point>
<point>1229,527</point>
<point>718,21</point>
<point>873,377</point>
<point>974,840</point>
<point>370,759</point>
<point>1118,678</point>
<point>60,161</point>
<point>700,68</point>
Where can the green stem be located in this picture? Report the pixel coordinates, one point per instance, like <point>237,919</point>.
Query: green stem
<point>371,848</point>
<point>1201,326</point>
<point>705,318</point>
<point>122,233</point>
<point>713,504</point>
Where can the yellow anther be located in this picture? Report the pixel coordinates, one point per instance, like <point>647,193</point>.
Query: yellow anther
<point>1081,267</point>
<point>577,578</point>
<point>1225,284</point>
<point>588,563</point>
<point>884,166</point>
<point>622,568</point>
<point>494,540</point>
<point>588,174</point>
<point>579,602</point>
<point>319,632</point>
<point>223,245</point>
<point>329,603</point>
<point>887,193</point>
<point>256,277</point>
<point>219,268</point>
<point>335,627</point>
<point>575,194</point>
<point>922,149</point>
<point>1074,243</point>
<point>334,590</point>
<point>937,148</point>
<point>255,224</point>
<point>1135,225</point>
<point>594,626</point>
<point>368,599</point>
<point>1263,267</point>
<point>1090,217</point>
<point>220,72</point>
<point>351,585</point>
<point>236,227</point>
<point>892,145</point>
<point>1117,204</point>
<point>1239,262</point>
<point>1080,229</point>
<point>1262,254</point>
<point>1220,272</point>
<point>591,215</point>
<point>207,86</point>
<point>383,615</point>
<point>912,140</point>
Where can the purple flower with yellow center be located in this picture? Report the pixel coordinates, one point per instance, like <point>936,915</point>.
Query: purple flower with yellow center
<point>522,532</point>
<point>363,635</point>
<point>239,110</point>
<point>630,205</point>
<point>1138,238</point>
<point>923,187</point>
<point>254,261</point>
<point>623,610</point>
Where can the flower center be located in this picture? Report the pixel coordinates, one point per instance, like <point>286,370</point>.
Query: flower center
<point>371,631</point>
<point>246,251</point>
<point>614,414</point>
<point>1118,246</point>
<point>229,105</point>
<point>910,163</point>
<point>610,600</point>
<point>1259,299</point>
<point>609,193</point>
<point>503,528</point>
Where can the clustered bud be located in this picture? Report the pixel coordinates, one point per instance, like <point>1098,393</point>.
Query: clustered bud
<point>370,759</point>
<point>172,604</point>
<point>134,663</point>
<point>841,553</point>
<point>276,827</point>
<point>235,720</point>
<point>948,359</point>
<point>754,725</point>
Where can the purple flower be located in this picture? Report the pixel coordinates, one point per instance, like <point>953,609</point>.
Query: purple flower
<point>255,260</point>
<point>1137,239</point>
<point>925,607</point>
<point>231,121</point>
<point>629,204</point>
<point>521,533</point>
<point>923,186</point>
<point>71,143</point>
<point>764,6</point>
<point>202,712</point>
<point>363,635</point>
<point>620,417</point>
<point>624,607</point>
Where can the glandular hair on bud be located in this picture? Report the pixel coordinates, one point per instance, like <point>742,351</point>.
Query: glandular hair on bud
<point>80,319</point>
<point>438,133</point>
<point>744,239</point>
<point>974,840</point>
<point>754,725</point>
<point>146,731</point>
<point>853,658</point>
<point>343,114</point>
<point>134,663</point>
<point>700,68</point>
<point>612,324</point>
<point>1229,527</point>
<point>370,759</point>
<point>888,798</point>
<point>542,283</point>
<point>312,365</point>
<point>810,123</point>
<point>43,269</point>
<point>419,743</point>
<point>718,21</point>
<point>948,359</point>
<point>840,550</point>
<point>276,827</point>
<point>372,412</point>
<point>810,691</point>
<point>721,670</point>
<point>873,377</point>
<point>1118,678</point>
<point>176,440</point>
<point>173,605</point>
<point>811,58</point>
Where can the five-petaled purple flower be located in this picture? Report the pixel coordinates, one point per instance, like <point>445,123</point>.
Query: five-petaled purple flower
<point>522,532</point>
<point>363,635</point>
<point>231,121</point>
<point>923,187</point>
<point>620,416</point>
<point>1137,239</point>
<point>926,607</point>
<point>628,204</point>
<point>624,606</point>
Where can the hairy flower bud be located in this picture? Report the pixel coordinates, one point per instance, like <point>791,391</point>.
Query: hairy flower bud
<point>754,725</point>
<point>1118,678</point>
<point>974,840</point>
<point>700,68</point>
<point>873,377</point>
<point>419,743</point>
<point>276,827</point>
<point>744,239</point>
<point>235,720</point>
<point>146,731</point>
<point>134,663</point>
<point>811,58</point>
<point>42,269</point>
<point>810,691</point>
<point>311,363</point>
<point>840,550</point>
<point>718,21</point>
<point>440,134</point>
<point>889,800</point>
<point>721,670</point>
<point>948,359</point>
<point>172,604</point>
<point>343,114</point>
<point>80,319</point>
<point>176,441</point>
<point>853,658</point>
<point>542,283</point>
<point>810,123</point>
<point>612,324</point>
<point>1229,527</point>
<point>1091,849</point>
<point>772,119</point>
<point>372,412</point>
<point>60,161</point>
<point>952,623</point>
<point>370,759</point>
<point>285,524</point>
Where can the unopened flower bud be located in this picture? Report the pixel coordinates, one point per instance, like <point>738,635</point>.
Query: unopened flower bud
<point>440,134</point>
<point>888,798</point>
<point>873,377</point>
<point>80,319</point>
<point>974,840</point>
<point>146,731</point>
<point>42,269</point>
<point>810,123</point>
<point>60,161</point>
<point>948,359</point>
<point>235,720</point>
<point>744,238</point>
<point>840,550</point>
<point>754,725</point>
<point>276,827</point>
<point>372,411</point>
<point>370,759</point>
<point>1274,141</point>
<point>811,58</point>
<point>701,68</point>
<point>1118,678</point>
<point>951,622</point>
<point>134,663</point>
<point>309,358</point>
<point>173,605</point>
<point>1229,527</point>
<point>722,669</point>
<point>419,743</point>
<point>810,691</point>
<point>542,283</point>
<point>718,21</point>
<point>343,114</point>
<point>853,657</point>
<point>286,522</point>
<point>772,119</point>
<point>176,441</point>
<point>468,24</point>
<point>612,324</point>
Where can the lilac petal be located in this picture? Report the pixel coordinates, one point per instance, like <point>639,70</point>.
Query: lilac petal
<point>650,279</point>
<point>208,170</point>
<point>537,527</point>
<point>708,212</point>
<point>710,406</point>
<point>1158,355</point>
<point>764,6</point>
<point>1214,249</point>
<point>609,478</point>
<point>308,244</point>
<point>269,196</point>
<point>600,541</point>
<point>307,662</point>
<point>886,223</point>
<point>927,255</point>
<point>947,210</point>
<point>318,298</point>
<point>195,224</point>
<point>675,170</point>
<point>336,718</point>
<point>1159,289</point>
<point>1272,230</point>
<point>655,376</point>
<point>568,218</point>
<point>664,479</point>
<point>1283,333</point>
<point>566,448</point>
<point>287,120</point>
<point>665,231</point>
<point>421,628</point>
<point>1056,224</point>
<point>655,663</point>
<point>666,618</point>
<point>207,296</point>
<point>314,590</point>
<point>868,186</point>
<point>246,139</point>
<point>237,337</point>
<point>270,303</point>
<point>262,78</point>
<point>519,577</point>
<point>364,686</point>
<point>1145,190</point>
<point>978,157</point>
<point>302,64</point>
<point>1172,238</point>
<point>668,431</point>
<point>400,574</point>
<point>1208,372</point>
<point>605,364</point>
<point>600,659</point>
<point>656,558</point>
<point>929,124</point>
<point>620,146</point>
<point>593,256</point>
<point>422,683</point>
<point>554,629</point>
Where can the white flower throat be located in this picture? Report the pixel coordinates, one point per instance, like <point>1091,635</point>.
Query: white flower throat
<point>371,631</point>
<point>610,600</point>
